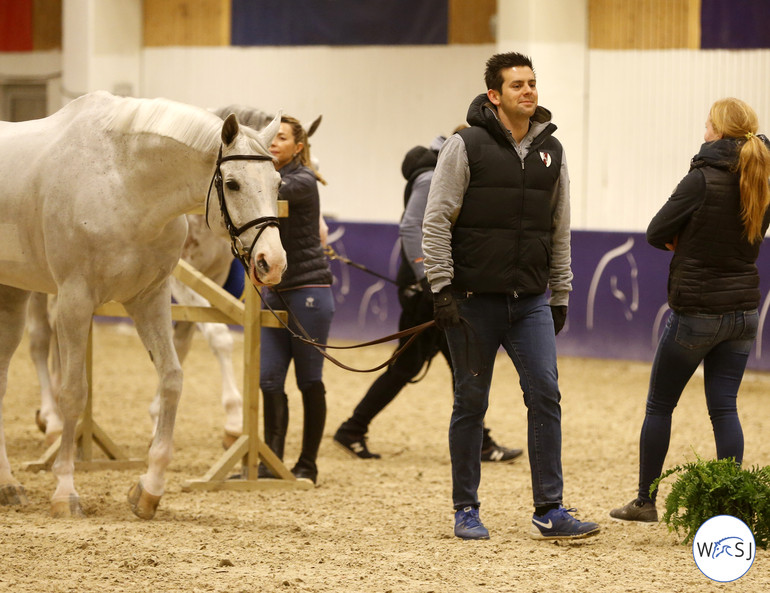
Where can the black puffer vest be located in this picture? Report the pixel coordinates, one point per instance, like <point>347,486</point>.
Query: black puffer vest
<point>713,269</point>
<point>306,261</point>
<point>501,241</point>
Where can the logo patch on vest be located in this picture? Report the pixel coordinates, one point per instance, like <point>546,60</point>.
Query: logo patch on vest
<point>546,158</point>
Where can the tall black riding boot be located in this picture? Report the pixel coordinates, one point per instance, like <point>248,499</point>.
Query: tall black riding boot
<point>276,421</point>
<point>314,404</point>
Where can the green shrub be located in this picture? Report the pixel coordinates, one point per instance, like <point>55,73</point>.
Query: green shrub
<point>705,489</point>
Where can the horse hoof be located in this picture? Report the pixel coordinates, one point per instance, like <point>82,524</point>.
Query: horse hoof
<point>12,495</point>
<point>143,504</point>
<point>67,508</point>
<point>229,439</point>
<point>41,424</point>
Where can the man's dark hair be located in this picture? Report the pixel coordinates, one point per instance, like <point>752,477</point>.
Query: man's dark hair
<point>493,75</point>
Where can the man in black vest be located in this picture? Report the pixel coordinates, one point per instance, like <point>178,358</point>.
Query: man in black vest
<point>416,308</point>
<point>496,239</point>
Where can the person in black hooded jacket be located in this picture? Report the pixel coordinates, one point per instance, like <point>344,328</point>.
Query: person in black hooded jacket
<point>416,308</point>
<point>714,222</point>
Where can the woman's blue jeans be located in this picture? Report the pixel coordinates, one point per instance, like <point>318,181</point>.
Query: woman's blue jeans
<point>722,342</point>
<point>313,306</point>
<point>523,326</point>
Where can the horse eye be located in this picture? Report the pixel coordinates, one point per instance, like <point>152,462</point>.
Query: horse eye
<point>233,185</point>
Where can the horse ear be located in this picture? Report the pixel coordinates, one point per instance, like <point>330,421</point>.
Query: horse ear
<point>230,129</point>
<point>271,130</point>
<point>314,126</point>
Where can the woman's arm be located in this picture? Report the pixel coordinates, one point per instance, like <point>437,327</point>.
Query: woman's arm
<point>666,225</point>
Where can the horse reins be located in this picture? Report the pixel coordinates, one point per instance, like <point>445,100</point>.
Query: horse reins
<point>304,337</point>
<point>332,255</point>
<point>329,251</point>
<point>240,252</point>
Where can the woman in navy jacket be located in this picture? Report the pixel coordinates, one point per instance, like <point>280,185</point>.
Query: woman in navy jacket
<point>306,290</point>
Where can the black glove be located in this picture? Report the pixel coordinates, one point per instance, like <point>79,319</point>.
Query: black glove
<point>445,311</point>
<point>559,314</point>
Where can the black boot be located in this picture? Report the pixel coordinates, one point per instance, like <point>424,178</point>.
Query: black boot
<point>314,404</point>
<point>276,421</point>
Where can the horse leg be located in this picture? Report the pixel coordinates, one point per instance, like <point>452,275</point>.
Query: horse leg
<point>73,324</point>
<point>13,305</point>
<point>220,341</point>
<point>152,317</point>
<point>47,417</point>
<point>183,337</point>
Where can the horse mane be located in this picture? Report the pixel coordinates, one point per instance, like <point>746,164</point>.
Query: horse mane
<point>248,116</point>
<point>192,126</point>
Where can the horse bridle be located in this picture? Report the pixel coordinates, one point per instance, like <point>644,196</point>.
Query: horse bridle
<point>236,245</point>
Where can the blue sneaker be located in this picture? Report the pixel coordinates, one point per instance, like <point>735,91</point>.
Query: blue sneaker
<point>559,524</point>
<point>468,525</point>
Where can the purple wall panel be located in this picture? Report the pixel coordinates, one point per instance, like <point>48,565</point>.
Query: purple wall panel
<point>339,22</point>
<point>617,307</point>
<point>735,24</point>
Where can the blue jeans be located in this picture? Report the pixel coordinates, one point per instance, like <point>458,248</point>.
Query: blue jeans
<point>524,327</point>
<point>722,342</point>
<point>314,308</point>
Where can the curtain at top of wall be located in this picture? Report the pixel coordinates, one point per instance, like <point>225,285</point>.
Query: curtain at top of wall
<point>735,24</point>
<point>339,22</point>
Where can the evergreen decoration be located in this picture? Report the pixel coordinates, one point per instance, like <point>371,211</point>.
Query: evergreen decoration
<point>705,489</point>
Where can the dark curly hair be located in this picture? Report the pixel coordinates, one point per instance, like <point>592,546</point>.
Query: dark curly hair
<point>493,75</point>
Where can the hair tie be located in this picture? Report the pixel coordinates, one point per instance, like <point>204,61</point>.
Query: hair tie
<point>749,136</point>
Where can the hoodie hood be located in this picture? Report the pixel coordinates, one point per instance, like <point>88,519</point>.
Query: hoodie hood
<point>421,158</point>
<point>722,153</point>
<point>482,112</point>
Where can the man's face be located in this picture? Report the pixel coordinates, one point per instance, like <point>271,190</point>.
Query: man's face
<point>518,98</point>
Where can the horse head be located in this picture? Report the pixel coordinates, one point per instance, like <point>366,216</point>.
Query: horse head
<point>247,187</point>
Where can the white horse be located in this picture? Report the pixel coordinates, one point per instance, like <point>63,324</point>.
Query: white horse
<point>209,253</point>
<point>92,202</point>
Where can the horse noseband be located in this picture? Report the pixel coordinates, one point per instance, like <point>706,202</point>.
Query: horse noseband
<point>240,252</point>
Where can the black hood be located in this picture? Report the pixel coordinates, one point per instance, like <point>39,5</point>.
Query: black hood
<point>418,158</point>
<point>482,112</point>
<point>722,153</point>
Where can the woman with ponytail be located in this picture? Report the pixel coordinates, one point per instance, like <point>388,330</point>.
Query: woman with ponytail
<point>306,291</point>
<point>714,222</point>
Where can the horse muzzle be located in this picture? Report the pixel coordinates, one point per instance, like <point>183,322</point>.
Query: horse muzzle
<point>267,270</point>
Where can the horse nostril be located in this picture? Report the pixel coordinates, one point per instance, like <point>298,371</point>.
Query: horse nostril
<point>262,265</point>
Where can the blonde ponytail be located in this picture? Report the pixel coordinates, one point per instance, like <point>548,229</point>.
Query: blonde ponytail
<point>754,165</point>
<point>733,118</point>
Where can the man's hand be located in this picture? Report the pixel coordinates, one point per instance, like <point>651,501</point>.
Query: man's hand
<point>445,311</point>
<point>559,314</point>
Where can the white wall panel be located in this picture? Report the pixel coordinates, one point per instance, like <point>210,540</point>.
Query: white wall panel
<point>376,102</point>
<point>646,116</point>
<point>642,122</point>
